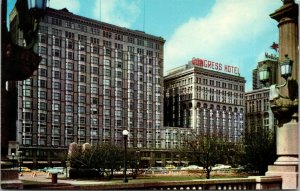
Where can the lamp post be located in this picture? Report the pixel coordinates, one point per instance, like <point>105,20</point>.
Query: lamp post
<point>13,159</point>
<point>20,160</point>
<point>125,135</point>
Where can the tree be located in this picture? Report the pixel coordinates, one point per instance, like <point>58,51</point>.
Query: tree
<point>260,150</point>
<point>206,150</point>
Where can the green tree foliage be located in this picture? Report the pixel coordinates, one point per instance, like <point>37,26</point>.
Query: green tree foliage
<point>260,150</point>
<point>208,150</point>
<point>101,157</point>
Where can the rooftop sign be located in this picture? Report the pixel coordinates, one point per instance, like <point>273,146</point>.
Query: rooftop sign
<point>215,66</point>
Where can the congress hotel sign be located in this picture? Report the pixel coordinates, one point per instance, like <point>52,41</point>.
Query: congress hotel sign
<point>215,66</point>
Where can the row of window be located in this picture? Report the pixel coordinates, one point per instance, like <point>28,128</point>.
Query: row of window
<point>105,34</point>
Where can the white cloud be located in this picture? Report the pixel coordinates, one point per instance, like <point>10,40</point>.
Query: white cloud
<point>119,12</point>
<point>72,5</point>
<point>230,34</point>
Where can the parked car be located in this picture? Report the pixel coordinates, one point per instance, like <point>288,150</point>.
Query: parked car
<point>221,167</point>
<point>169,167</point>
<point>44,169</point>
<point>58,170</point>
<point>24,169</point>
<point>192,167</point>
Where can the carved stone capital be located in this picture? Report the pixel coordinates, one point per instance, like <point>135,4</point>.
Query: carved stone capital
<point>284,109</point>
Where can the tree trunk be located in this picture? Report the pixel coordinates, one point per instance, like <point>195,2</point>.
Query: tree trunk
<point>207,173</point>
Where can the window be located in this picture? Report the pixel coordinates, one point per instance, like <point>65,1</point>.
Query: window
<point>56,85</point>
<point>42,117</point>
<point>69,108</point>
<point>82,68</point>
<point>69,65</point>
<point>57,74</point>
<point>56,52</point>
<point>95,70</point>
<point>94,100</point>
<point>94,80</point>
<point>106,34</point>
<point>69,98</point>
<point>82,78</point>
<point>56,63</point>
<point>107,72</point>
<point>70,45</point>
<point>81,120</point>
<point>69,76</point>
<point>81,89</point>
<point>43,38</point>
<point>107,52</point>
<point>56,42</point>
<point>55,107</point>
<point>43,84</point>
<point>82,57</point>
<point>70,55</point>
<point>81,109</point>
<point>56,96</point>
<point>69,35</point>
<point>42,94</point>
<point>27,92</point>
<point>107,62</point>
<point>56,119</point>
<point>69,87</point>
<point>69,119</point>
<point>94,60</point>
<point>27,104</point>
<point>81,99</point>
<point>42,106</point>
<point>131,39</point>
<point>94,90</point>
<point>42,50</point>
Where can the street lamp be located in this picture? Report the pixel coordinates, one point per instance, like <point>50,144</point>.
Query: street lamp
<point>264,74</point>
<point>286,67</point>
<point>13,159</point>
<point>285,70</point>
<point>125,135</point>
<point>20,160</point>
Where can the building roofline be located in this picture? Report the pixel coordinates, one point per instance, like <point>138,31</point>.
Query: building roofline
<point>71,16</point>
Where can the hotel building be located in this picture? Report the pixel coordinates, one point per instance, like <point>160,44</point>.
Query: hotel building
<point>205,97</point>
<point>94,81</point>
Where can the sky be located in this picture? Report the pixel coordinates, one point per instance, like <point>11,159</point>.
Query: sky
<point>231,32</point>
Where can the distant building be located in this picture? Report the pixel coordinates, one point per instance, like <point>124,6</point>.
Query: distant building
<point>259,115</point>
<point>95,80</point>
<point>273,66</point>
<point>206,97</point>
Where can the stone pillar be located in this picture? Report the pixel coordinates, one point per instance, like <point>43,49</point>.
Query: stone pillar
<point>286,109</point>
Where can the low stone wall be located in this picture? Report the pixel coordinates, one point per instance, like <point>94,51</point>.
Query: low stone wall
<point>10,179</point>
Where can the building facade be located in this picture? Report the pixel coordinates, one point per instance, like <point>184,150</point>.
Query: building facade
<point>94,81</point>
<point>259,115</point>
<point>272,63</point>
<point>204,100</point>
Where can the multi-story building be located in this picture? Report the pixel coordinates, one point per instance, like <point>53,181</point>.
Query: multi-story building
<point>272,62</point>
<point>205,97</point>
<point>259,115</point>
<point>95,80</point>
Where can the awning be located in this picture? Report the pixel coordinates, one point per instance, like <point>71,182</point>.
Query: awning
<point>42,162</point>
<point>185,162</point>
<point>176,161</point>
<point>169,161</point>
<point>27,162</point>
<point>158,161</point>
<point>56,162</point>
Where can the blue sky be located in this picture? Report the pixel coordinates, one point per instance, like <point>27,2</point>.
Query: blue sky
<point>231,32</point>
